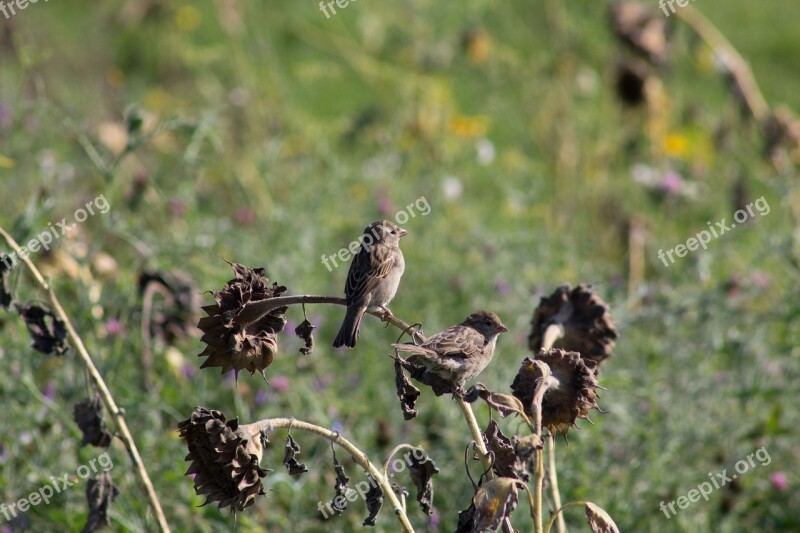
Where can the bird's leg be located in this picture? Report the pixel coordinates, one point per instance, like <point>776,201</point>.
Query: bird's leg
<point>386,312</point>
<point>458,391</point>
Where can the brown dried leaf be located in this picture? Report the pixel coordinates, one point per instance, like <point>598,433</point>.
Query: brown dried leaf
<point>48,332</point>
<point>340,485</point>
<point>505,404</point>
<point>494,501</point>
<point>599,520</point>
<point>100,492</point>
<point>291,449</point>
<point>5,268</point>
<point>422,468</point>
<point>506,462</point>
<point>88,414</point>
<point>374,498</point>
<point>406,391</point>
<point>304,331</point>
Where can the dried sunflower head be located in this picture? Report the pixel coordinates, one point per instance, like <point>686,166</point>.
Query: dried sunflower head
<point>572,390</point>
<point>588,328</point>
<point>235,338</point>
<point>224,458</point>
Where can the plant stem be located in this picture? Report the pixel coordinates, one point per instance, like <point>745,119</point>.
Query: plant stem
<point>477,437</point>
<point>559,511</point>
<point>358,456</point>
<point>255,310</point>
<point>108,400</point>
<point>739,68</point>
<point>537,490</point>
<point>551,335</point>
<point>538,396</point>
<point>553,477</point>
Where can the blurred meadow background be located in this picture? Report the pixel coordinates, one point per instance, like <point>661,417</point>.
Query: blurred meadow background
<point>549,150</point>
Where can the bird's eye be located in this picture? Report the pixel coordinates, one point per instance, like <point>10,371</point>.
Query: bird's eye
<point>394,232</point>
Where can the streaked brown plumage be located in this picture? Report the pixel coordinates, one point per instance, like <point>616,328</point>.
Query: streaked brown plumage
<point>373,277</point>
<point>459,353</point>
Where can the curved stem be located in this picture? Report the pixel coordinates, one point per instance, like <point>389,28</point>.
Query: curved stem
<point>385,469</point>
<point>255,310</point>
<point>147,313</point>
<point>100,384</point>
<point>558,513</point>
<point>358,456</point>
<point>553,332</point>
<point>477,437</point>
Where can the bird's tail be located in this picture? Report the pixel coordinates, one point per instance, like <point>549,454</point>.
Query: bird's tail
<point>348,332</point>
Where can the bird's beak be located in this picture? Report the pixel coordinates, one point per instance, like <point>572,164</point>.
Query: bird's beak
<point>500,328</point>
<point>402,232</point>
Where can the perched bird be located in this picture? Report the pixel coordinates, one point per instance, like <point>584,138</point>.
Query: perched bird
<point>373,278</point>
<point>459,353</point>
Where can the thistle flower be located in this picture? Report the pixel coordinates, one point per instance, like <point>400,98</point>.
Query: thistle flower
<point>588,328</point>
<point>571,394</point>
<point>234,339</point>
<point>224,458</point>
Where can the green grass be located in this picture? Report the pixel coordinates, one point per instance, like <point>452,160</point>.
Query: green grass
<point>291,132</point>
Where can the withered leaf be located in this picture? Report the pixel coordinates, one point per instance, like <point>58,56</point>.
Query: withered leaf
<point>304,331</point>
<point>422,468</point>
<point>525,446</point>
<point>48,332</point>
<point>505,404</point>
<point>439,385</point>
<point>524,385</point>
<point>88,414</point>
<point>290,450</point>
<point>374,502</point>
<point>506,463</point>
<point>100,492</point>
<point>5,268</point>
<point>466,520</point>
<point>599,520</point>
<point>340,485</point>
<point>406,391</point>
<point>494,501</point>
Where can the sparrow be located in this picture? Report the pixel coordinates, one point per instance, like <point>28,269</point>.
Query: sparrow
<point>459,353</point>
<point>373,278</point>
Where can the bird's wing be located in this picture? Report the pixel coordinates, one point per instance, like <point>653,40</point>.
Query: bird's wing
<point>456,341</point>
<point>366,271</point>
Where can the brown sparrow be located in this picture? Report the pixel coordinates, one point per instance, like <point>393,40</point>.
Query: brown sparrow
<point>373,277</point>
<point>459,353</point>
